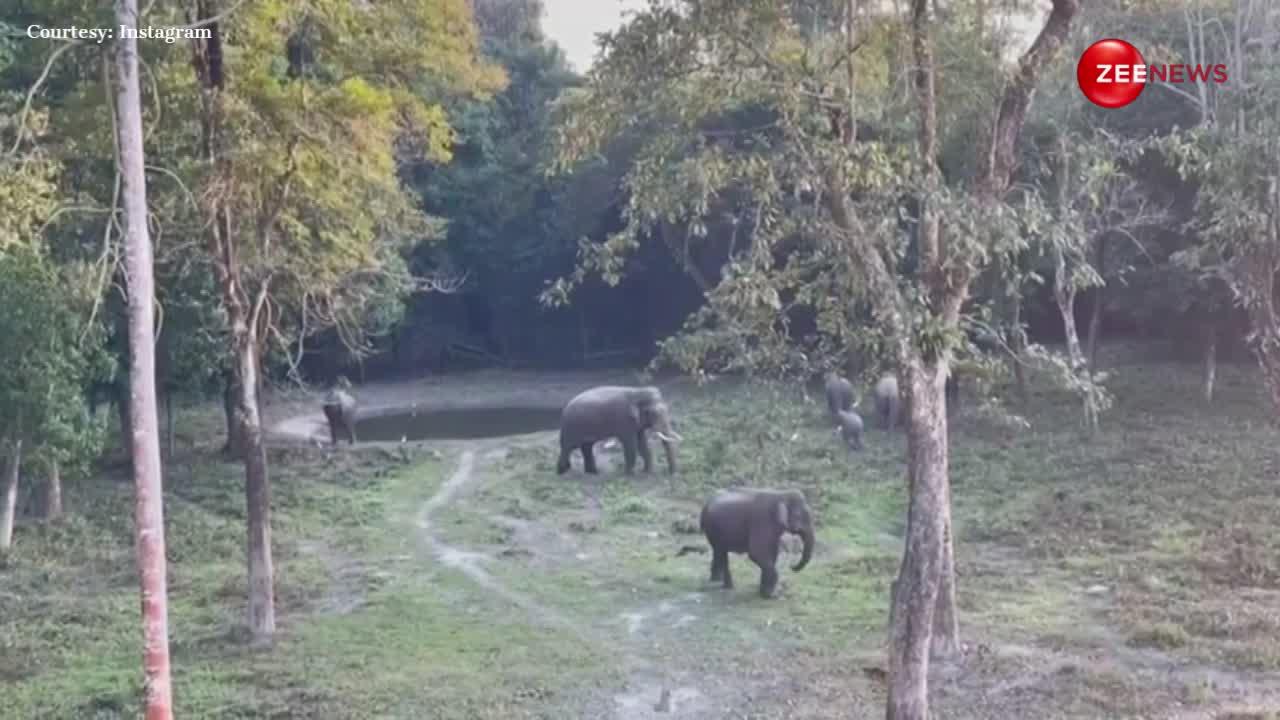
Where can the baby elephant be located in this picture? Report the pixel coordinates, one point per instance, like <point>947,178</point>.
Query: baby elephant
<point>752,521</point>
<point>849,426</point>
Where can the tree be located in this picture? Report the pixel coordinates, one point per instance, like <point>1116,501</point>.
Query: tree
<point>304,111</point>
<point>49,351</point>
<point>1234,156</point>
<point>822,199</point>
<point>507,220</point>
<point>145,450</point>
<point>1091,197</point>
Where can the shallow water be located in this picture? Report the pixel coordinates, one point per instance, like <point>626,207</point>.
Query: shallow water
<point>457,424</point>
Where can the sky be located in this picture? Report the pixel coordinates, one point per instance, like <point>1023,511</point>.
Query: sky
<point>573,25</point>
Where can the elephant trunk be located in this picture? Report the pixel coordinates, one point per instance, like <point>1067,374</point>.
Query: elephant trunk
<point>669,448</point>
<point>807,536</point>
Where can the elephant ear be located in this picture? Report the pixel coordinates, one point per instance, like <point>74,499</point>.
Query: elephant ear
<point>780,512</point>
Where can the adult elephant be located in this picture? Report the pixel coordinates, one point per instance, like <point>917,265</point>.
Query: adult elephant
<point>340,411</point>
<point>616,411</point>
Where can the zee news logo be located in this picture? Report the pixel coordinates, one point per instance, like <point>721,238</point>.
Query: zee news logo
<point>1112,73</point>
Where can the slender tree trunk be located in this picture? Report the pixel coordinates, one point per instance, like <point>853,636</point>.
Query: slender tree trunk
<point>12,470</point>
<point>1210,374</point>
<point>52,509</point>
<point>262,615</point>
<point>168,425</point>
<point>1066,302</point>
<point>920,581</point>
<point>149,511</point>
<point>243,312</point>
<point>1018,344</point>
<point>1099,301</point>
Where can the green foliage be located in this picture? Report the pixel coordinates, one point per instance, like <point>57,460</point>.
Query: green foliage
<point>320,217</point>
<point>43,360</point>
<point>743,112</point>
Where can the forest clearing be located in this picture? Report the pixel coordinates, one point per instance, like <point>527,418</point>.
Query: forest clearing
<point>1133,577</point>
<point>338,340</point>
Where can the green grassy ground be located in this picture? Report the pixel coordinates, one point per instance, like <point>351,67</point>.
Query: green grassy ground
<point>1134,574</point>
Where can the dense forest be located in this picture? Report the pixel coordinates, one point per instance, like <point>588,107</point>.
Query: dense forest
<point>419,202</point>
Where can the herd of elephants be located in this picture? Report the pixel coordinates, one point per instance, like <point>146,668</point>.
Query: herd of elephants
<point>748,521</point>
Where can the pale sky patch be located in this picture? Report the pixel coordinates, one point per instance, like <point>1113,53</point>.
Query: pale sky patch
<point>573,25</point>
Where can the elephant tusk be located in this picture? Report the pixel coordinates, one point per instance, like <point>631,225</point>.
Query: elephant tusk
<point>673,437</point>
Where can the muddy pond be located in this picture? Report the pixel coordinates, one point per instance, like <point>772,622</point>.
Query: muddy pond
<point>457,423</point>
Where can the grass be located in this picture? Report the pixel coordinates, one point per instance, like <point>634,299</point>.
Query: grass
<point>1151,545</point>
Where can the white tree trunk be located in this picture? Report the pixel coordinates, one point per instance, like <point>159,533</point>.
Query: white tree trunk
<point>144,425</point>
<point>12,470</point>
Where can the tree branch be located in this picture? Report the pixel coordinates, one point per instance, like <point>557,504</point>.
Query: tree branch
<point>35,88</point>
<point>996,167</point>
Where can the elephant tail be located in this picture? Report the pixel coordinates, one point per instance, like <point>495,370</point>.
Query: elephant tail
<point>687,549</point>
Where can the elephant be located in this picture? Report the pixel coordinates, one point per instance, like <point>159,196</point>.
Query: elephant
<point>619,412</point>
<point>839,394</point>
<point>850,428</point>
<point>752,521</point>
<point>888,401</point>
<point>340,411</point>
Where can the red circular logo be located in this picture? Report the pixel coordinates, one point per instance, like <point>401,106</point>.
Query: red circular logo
<point>1111,73</point>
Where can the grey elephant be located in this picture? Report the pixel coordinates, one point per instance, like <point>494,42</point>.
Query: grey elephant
<point>340,411</point>
<point>849,427</point>
<point>616,411</point>
<point>888,402</point>
<point>752,521</point>
<point>839,394</point>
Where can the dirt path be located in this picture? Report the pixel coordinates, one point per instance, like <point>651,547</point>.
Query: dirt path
<point>651,691</point>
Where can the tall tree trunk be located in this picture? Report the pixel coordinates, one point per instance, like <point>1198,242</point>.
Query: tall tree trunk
<point>149,510</point>
<point>52,509</point>
<point>243,313</point>
<point>12,470</point>
<point>920,583</point>
<point>1099,301</point>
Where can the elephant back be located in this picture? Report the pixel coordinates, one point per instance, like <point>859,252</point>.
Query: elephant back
<point>341,399</point>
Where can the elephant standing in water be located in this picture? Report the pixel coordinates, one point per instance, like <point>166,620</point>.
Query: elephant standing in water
<point>340,411</point>
<point>752,521</point>
<point>615,411</point>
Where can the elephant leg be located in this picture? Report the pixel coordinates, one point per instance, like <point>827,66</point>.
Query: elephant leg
<point>646,455</point>
<point>720,568</point>
<point>588,459</point>
<point>351,432</point>
<point>629,453</point>
<point>765,555</point>
<point>562,465</point>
